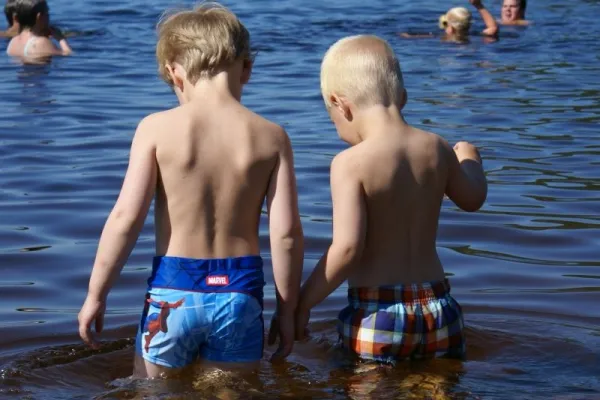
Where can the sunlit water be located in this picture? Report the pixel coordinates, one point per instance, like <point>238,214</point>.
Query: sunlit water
<point>526,267</point>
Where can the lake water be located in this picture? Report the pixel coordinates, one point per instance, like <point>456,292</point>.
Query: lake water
<point>526,267</point>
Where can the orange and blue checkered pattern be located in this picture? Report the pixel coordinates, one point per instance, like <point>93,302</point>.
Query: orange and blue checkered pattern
<point>389,324</point>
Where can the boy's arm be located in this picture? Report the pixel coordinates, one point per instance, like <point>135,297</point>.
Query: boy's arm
<point>490,22</point>
<point>287,244</point>
<point>467,184</point>
<point>349,232</point>
<point>122,228</point>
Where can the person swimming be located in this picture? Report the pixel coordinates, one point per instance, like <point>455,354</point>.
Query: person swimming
<point>456,24</point>
<point>513,12</point>
<point>13,23</point>
<point>33,40</point>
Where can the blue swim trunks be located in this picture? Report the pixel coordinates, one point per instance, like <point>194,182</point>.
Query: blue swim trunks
<point>203,309</point>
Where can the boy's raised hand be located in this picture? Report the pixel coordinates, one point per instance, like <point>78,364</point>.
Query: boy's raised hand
<point>476,3</point>
<point>466,151</point>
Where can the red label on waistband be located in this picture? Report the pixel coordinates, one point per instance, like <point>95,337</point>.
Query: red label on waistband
<point>217,280</point>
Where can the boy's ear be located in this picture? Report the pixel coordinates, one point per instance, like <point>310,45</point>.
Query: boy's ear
<point>246,71</point>
<point>175,75</point>
<point>341,105</point>
<point>403,99</point>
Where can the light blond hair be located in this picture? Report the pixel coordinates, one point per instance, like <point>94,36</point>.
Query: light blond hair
<point>362,69</point>
<point>459,18</point>
<point>204,41</point>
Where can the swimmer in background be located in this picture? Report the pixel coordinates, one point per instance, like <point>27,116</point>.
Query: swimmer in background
<point>33,41</point>
<point>513,12</point>
<point>456,24</point>
<point>387,190</point>
<point>13,24</point>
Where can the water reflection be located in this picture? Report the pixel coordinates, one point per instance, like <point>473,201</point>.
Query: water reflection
<point>525,268</point>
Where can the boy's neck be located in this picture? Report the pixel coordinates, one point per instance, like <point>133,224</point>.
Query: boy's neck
<point>219,86</point>
<point>379,120</point>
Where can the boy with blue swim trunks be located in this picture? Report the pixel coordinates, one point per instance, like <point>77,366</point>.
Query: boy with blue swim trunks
<point>209,164</point>
<point>387,190</point>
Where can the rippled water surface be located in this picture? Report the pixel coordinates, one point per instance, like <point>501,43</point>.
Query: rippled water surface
<point>526,267</point>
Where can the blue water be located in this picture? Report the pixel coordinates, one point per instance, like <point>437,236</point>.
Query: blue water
<point>526,267</point>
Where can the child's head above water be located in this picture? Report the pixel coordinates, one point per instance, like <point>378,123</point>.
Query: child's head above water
<point>364,70</point>
<point>32,14</point>
<point>513,10</point>
<point>457,21</point>
<point>359,73</point>
<point>204,42</point>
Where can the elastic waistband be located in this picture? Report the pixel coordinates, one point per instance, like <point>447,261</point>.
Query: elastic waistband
<point>239,274</point>
<point>209,264</point>
<point>406,294</point>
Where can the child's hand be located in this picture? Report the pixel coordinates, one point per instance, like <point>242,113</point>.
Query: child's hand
<point>56,33</point>
<point>476,3</point>
<point>282,326</point>
<point>92,311</point>
<point>302,318</point>
<point>466,151</point>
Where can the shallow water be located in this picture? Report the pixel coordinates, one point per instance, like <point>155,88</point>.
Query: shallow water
<point>526,267</point>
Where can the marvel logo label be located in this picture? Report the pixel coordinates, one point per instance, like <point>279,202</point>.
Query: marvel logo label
<point>217,280</point>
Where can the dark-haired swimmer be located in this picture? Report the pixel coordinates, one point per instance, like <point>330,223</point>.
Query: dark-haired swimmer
<point>33,40</point>
<point>13,24</point>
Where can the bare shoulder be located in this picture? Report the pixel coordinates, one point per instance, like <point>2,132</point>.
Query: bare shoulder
<point>10,47</point>
<point>349,164</point>
<point>42,44</point>
<point>519,22</point>
<point>162,119</point>
<point>269,132</point>
<point>150,125</point>
<point>428,140</point>
<point>267,126</point>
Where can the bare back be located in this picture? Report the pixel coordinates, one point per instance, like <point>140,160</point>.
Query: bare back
<point>214,168</point>
<point>404,178</point>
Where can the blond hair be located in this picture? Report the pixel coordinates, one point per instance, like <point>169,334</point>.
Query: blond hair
<point>204,41</point>
<point>364,70</point>
<point>459,18</point>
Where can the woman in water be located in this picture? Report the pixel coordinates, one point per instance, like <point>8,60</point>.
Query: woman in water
<point>456,24</point>
<point>33,40</point>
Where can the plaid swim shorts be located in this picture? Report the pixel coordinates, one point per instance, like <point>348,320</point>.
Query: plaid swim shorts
<point>392,323</point>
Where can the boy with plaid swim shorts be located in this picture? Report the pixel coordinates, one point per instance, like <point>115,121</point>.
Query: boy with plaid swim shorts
<point>387,190</point>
